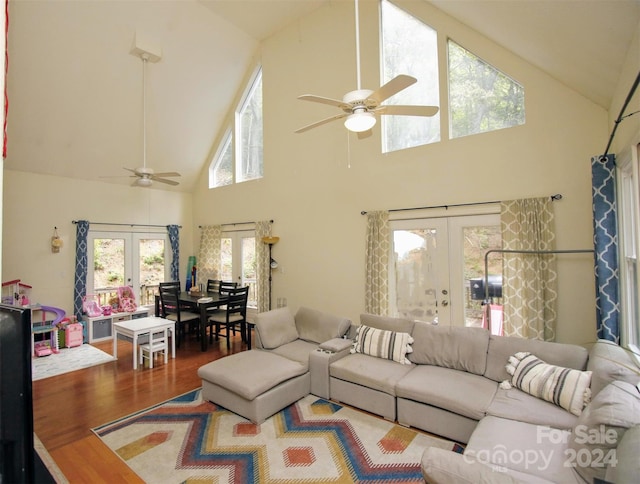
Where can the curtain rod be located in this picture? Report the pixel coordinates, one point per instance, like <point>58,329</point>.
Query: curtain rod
<point>620,116</point>
<point>557,196</point>
<point>126,225</point>
<point>236,223</point>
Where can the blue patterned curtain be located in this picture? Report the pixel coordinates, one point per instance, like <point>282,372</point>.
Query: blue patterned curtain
<point>605,237</point>
<point>80,283</point>
<point>174,240</point>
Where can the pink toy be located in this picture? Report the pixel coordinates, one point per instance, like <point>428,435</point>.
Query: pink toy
<point>127,300</point>
<point>90,306</point>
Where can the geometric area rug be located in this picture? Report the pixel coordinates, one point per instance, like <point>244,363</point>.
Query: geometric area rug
<point>313,440</point>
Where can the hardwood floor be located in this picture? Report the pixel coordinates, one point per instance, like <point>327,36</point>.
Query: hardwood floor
<point>68,406</point>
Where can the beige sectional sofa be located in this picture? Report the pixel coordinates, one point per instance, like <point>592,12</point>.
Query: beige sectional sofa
<point>451,383</point>
<point>453,387</point>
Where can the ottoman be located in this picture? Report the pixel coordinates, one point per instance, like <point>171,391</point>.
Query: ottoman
<point>254,384</point>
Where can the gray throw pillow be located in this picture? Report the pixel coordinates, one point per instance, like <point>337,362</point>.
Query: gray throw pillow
<point>276,328</point>
<point>600,427</point>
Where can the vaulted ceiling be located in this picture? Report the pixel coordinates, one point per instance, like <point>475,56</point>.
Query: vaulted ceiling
<point>63,121</point>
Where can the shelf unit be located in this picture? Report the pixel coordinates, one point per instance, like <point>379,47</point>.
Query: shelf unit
<point>100,328</point>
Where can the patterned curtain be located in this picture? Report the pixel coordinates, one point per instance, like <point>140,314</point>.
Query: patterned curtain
<point>529,280</point>
<point>174,240</point>
<point>263,266</point>
<point>377,264</point>
<point>605,238</point>
<point>80,282</point>
<point>209,257</point>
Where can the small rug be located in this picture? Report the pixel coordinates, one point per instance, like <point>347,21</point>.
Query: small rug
<point>312,441</point>
<point>68,359</point>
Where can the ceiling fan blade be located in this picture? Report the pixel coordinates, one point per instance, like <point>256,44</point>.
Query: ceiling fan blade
<point>392,87</point>
<point>324,100</point>
<point>167,173</point>
<point>130,169</point>
<point>408,110</point>
<point>164,180</point>
<point>319,123</point>
<point>365,134</point>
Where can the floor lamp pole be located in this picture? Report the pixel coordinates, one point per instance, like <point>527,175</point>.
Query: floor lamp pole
<point>270,275</point>
<point>270,240</point>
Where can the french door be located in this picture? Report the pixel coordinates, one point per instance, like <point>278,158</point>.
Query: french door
<point>139,260</point>
<point>238,260</point>
<point>437,264</point>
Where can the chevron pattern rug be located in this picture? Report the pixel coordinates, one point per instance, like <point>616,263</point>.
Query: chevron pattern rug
<point>312,441</point>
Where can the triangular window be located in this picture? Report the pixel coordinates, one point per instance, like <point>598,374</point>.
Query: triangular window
<point>481,98</point>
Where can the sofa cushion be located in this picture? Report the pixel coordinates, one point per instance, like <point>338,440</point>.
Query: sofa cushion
<point>276,327</point>
<point>627,468</point>
<point>518,405</point>
<point>381,343</point>
<point>298,350</point>
<point>250,373</point>
<point>454,347</point>
<point>601,426</point>
<point>502,347</point>
<point>609,362</point>
<point>369,372</point>
<point>440,466</point>
<point>318,327</point>
<point>565,387</point>
<point>453,390</point>
<point>384,322</point>
<point>523,447</point>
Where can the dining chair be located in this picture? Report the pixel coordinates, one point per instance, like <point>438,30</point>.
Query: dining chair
<point>158,343</point>
<point>171,309</point>
<point>226,286</point>
<point>213,285</point>
<point>228,319</point>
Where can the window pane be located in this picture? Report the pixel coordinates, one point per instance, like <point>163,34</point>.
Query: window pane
<point>249,268</point>
<point>409,47</point>
<point>222,171</point>
<point>250,133</point>
<point>108,263</point>
<point>416,274</point>
<point>477,241</point>
<point>226,259</point>
<point>481,98</point>
<point>151,268</point>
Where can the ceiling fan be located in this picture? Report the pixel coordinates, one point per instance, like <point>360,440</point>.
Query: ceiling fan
<point>146,176</point>
<point>362,106</point>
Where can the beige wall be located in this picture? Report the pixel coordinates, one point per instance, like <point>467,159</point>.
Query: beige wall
<point>628,131</point>
<point>35,204</point>
<point>316,184</point>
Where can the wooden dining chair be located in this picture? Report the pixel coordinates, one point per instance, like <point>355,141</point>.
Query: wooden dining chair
<point>170,308</point>
<point>213,285</point>
<point>226,321</point>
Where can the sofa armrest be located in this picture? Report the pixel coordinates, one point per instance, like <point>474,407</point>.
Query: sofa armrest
<point>440,466</point>
<point>321,359</point>
<point>336,345</point>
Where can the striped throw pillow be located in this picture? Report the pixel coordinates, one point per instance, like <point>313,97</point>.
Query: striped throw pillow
<point>380,343</point>
<point>565,387</point>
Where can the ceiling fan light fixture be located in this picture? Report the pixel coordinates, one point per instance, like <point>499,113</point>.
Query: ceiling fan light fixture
<point>144,182</point>
<point>360,121</point>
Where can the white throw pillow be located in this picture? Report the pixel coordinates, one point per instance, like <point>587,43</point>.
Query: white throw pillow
<point>391,345</point>
<point>565,387</point>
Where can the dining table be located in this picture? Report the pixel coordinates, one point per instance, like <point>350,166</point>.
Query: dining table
<point>200,302</point>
